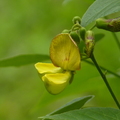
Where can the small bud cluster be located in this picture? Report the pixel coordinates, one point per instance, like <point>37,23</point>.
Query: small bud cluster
<point>78,33</point>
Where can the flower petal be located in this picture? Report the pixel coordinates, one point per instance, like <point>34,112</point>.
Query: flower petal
<point>56,83</point>
<point>64,52</point>
<point>44,68</point>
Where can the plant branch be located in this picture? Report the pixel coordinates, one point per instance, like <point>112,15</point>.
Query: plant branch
<point>102,68</point>
<point>105,80</point>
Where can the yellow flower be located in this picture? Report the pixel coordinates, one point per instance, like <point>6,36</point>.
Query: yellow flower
<point>65,57</point>
<point>55,79</point>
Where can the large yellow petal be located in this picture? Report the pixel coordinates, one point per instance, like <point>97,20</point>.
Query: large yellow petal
<point>44,68</point>
<point>64,52</point>
<point>56,83</point>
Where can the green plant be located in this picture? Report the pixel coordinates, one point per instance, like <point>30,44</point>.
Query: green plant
<point>75,110</point>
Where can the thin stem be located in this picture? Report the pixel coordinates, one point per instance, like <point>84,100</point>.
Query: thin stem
<point>102,68</point>
<point>93,27</point>
<point>105,80</point>
<point>75,27</point>
<point>116,39</point>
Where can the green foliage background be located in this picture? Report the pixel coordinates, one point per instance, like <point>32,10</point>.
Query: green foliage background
<point>27,27</point>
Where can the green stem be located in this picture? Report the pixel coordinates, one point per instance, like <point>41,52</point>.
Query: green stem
<point>75,27</point>
<point>102,68</point>
<point>116,38</point>
<point>93,27</point>
<point>105,80</point>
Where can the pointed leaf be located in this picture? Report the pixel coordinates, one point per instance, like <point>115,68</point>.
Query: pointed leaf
<point>87,114</point>
<point>72,105</point>
<point>100,8</point>
<point>21,60</point>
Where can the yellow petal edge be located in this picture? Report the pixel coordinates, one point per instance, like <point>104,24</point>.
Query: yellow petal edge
<point>64,52</point>
<point>44,68</point>
<point>56,83</point>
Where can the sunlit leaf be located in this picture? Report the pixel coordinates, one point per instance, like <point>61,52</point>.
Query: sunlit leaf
<point>100,8</point>
<point>21,60</point>
<point>87,114</point>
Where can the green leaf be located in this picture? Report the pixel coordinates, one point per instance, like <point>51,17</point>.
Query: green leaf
<point>72,105</point>
<point>93,113</point>
<point>99,36</point>
<point>100,8</point>
<point>66,2</point>
<point>21,60</point>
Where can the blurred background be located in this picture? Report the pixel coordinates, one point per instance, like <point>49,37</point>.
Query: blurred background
<point>27,27</point>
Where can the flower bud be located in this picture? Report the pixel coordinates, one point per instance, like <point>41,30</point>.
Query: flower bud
<point>102,23</point>
<point>66,31</point>
<point>75,37</point>
<point>112,25</point>
<point>89,42</point>
<point>76,19</point>
<point>82,33</point>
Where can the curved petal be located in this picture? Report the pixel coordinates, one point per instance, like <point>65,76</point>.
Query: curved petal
<point>44,68</point>
<point>64,52</point>
<point>56,83</point>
